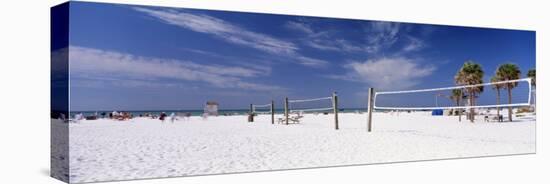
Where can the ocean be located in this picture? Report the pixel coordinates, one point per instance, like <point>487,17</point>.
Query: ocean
<point>223,112</point>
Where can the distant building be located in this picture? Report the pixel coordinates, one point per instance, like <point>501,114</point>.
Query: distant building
<point>211,108</point>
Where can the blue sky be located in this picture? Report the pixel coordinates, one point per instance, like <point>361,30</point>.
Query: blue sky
<point>147,58</point>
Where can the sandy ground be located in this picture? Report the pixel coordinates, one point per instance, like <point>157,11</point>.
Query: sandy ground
<point>103,150</point>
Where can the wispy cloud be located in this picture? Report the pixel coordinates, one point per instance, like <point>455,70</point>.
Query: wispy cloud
<point>312,62</point>
<point>339,45</point>
<point>221,29</point>
<point>396,71</point>
<point>261,64</point>
<point>202,52</point>
<point>385,35</point>
<point>89,62</point>
<point>299,26</point>
<point>382,32</point>
<point>386,73</point>
<point>100,82</point>
<point>230,32</point>
<point>379,36</point>
<point>413,44</point>
<point>323,40</point>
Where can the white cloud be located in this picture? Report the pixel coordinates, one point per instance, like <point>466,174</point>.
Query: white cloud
<point>381,35</point>
<point>299,26</point>
<point>323,40</point>
<point>101,82</point>
<point>202,52</point>
<point>312,62</point>
<point>222,29</point>
<point>260,64</point>
<point>96,63</point>
<point>384,31</point>
<point>335,45</point>
<point>395,72</point>
<point>413,44</point>
<point>228,32</point>
<point>387,73</point>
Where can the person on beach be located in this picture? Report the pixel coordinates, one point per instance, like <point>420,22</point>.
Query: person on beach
<point>115,115</point>
<point>78,117</point>
<point>162,117</point>
<point>62,116</point>
<point>188,115</point>
<point>172,117</point>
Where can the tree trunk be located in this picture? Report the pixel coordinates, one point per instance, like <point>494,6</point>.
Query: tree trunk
<point>472,116</point>
<point>459,109</point>
<point>510,102</point>
<point>498,102</point>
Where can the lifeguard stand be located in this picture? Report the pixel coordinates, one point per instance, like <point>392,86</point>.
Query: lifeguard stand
<point>211,108</point>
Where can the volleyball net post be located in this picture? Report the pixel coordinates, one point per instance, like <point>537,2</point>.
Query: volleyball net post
<point>251,109</point>
<point>370,108</point>
<point>272,112</point>
<point>286,110</point>
<point>335,109</point>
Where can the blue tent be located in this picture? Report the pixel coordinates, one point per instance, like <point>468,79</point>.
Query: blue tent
<point>437,112</point>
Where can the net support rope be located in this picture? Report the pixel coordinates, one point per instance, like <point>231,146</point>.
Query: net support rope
<point>528,80</point>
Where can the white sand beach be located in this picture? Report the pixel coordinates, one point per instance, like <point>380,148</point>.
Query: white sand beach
<point>104,149</point>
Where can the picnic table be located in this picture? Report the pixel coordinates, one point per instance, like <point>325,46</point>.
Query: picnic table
<point>293,119</point>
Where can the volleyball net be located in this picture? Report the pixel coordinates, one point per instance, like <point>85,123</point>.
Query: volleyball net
<point>511,93</point>
<point>262,109</point>
<point>322,104</point>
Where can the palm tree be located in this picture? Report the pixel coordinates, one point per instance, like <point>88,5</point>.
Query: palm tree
<point>456,96</point>
<point>532,74</point>
<point>471,73</point>
<point>509,71</point>
<point>497,87</point>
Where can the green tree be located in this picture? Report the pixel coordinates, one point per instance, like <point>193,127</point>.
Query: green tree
<point>506,72</point>
<point>471,73</point>
<point>532,73</point>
